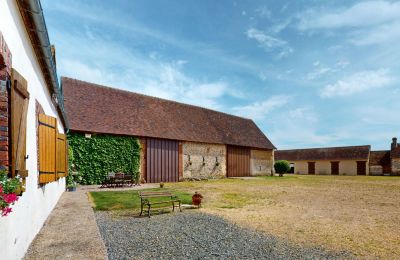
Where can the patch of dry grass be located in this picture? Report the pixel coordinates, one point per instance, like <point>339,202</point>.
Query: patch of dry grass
<point>360,214</point>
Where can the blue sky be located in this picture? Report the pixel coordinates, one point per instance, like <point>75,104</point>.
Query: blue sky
<point>309,73</point>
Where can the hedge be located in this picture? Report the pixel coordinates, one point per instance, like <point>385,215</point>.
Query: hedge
<point>95,157</point>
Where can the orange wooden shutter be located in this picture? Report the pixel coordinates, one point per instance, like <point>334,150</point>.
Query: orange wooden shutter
<point>61,156</point>
<point>47,148</point>
<point>19,109</point>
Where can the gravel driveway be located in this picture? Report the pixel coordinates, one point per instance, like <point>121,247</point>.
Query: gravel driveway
<point>194,235</point>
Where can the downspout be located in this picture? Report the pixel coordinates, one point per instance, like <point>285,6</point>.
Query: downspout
<point>34,8</point>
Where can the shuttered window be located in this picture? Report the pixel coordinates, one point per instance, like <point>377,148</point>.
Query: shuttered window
<point>61,162</point>
<point>52,150</point>
<point>19,107</point>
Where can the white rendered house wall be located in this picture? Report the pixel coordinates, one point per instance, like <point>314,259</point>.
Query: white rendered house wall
<point>32,209</point>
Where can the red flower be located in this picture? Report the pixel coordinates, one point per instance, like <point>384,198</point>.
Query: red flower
<point>6,211</point>
<point>1,188</point>
<point>10,198</point>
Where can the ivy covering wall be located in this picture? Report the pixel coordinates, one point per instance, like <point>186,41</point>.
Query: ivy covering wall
<point>95,157</point>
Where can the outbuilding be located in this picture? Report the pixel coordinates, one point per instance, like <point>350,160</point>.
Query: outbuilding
<point>349,160</point>
<point>177,140</point>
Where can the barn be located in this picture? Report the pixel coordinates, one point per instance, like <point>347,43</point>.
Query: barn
<point>177,140</point>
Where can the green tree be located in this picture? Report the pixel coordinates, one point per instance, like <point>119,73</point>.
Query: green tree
<point>281,167</point>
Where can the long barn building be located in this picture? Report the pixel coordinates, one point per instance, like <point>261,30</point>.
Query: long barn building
<point>178,140</point>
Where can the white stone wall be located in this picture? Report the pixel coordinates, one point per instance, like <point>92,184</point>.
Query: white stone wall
<point>19,228</point>
<point>211,154</point>
<point>261,162</point>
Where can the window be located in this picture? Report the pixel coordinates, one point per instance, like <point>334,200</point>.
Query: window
<point>52,150</point>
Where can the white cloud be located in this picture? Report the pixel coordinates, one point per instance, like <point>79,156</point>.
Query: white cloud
<point>259,110</point>
<point>358,82</point>
<point>362,14</point>
<point>386,33</point>
<point>269,43</point>
<point>266,41</point>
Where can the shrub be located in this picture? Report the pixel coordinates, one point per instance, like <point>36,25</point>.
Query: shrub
<point>281,167</point>
<point>93,158</point>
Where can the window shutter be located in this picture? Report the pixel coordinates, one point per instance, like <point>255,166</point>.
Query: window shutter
<point>47,148</point>
<point>19,109</point>
<point>61,156</point>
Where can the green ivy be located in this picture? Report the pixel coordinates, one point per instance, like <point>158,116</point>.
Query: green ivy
<point>93,158</point>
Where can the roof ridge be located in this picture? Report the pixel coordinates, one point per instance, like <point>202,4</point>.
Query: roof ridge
<point>158,98</point>
<point>331,147</point>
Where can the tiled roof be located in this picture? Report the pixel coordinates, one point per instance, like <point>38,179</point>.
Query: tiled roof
<point>329,153</point>
<point>98,109</point>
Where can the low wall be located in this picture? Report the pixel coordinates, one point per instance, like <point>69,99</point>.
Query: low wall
<point>213,165</point>
<point>261,162</point>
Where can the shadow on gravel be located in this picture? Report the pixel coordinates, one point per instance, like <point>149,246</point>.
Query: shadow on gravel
<point>194,235</point>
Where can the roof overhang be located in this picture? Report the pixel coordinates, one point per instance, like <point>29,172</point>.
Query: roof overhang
<point>32,15</point>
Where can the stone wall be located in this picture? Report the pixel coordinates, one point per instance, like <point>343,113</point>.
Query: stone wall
<point>395,166</point>
<point>376,170</point>
<point>212,166</point>
<point>261,162</point>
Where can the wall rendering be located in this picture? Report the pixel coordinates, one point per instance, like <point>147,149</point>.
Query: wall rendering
<point>261,162</point>
<point>32,209</point>
<point>213,165</point>
<point>323,167</point>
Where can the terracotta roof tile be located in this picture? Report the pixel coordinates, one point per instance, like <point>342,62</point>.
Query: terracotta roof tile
<point>98,109</point>
<point>328,153</point>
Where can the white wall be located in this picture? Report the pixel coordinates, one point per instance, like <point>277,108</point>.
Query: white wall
<point>19,228</point>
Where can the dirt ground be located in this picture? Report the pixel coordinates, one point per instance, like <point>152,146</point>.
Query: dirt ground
<point>360,214</point>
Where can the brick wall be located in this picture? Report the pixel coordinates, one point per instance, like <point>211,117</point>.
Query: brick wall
<point>5,68</point>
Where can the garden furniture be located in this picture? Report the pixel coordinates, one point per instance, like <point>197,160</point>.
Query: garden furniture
<point>146,199</point>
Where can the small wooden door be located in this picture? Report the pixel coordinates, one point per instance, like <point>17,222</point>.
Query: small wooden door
<point>238,161</point>
<point>361,168</point>
<point>162,163</point>
<point>335,168</point>
<point>311,167</point>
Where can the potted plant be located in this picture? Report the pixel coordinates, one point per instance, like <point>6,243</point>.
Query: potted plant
<point>71,184</point>
<point>196,199</point>
<point>161,185</point>
<point>8,192</point>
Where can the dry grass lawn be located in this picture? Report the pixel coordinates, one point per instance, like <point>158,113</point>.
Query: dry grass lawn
<point>360,214</point>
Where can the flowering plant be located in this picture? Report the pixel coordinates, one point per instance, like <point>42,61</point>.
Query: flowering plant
<point>8,195</point>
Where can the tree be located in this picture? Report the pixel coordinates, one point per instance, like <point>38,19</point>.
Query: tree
<point>281,167</point>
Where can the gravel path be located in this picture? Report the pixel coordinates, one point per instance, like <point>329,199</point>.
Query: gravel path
<point>194,235</point>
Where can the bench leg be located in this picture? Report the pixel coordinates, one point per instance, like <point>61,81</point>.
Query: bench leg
<point>141,209</point>
<point>180,209</point>
<point>149,210</point>
<point>173,206</point>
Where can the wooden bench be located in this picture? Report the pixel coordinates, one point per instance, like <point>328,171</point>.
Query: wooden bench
<point>146,196</point>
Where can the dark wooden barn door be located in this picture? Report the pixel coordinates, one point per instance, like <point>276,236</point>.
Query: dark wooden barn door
<point>162,161</point>
<point>311,167</point>
<point>361,167</point>
<point>335,168</point>
<point>238,161</point>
